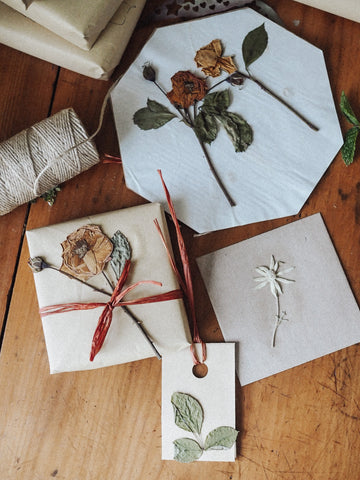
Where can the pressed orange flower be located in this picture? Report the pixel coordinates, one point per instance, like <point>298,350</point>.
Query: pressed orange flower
<point>187,88</point>
<point>211,62</point>
<point>86,252</point>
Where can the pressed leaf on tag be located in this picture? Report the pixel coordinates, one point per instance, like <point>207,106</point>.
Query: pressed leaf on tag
<point>153,116</point>
<point>187,450</point>
<point>238,129</point>
<point>189,414</point>
<point>120,254</point>
<point>254,45</point>
<point>348,148</point>
<point>221,438</point>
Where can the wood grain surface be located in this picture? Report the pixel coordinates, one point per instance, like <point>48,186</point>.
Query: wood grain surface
<point>302,424</point>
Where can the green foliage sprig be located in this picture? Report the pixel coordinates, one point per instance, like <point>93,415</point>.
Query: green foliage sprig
<point>349,146</point>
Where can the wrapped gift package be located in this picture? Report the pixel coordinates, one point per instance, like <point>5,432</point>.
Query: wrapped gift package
<point>23,34</point>
<point>78,22</point>
<point>68,335</point>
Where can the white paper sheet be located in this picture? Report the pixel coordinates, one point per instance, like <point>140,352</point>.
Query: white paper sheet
<point>23,34</point>
<point>215,393</point>
<point>322,313</point>
<point>78,22</point>
<point>68,335</point>
<point>276,174</point>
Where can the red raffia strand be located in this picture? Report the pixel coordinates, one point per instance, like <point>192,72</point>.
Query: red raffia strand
<point>188,286</point>
<point>115,301</point>
<point>106,158</point>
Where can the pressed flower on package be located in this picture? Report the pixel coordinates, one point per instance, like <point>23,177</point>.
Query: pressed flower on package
<point>204,108</point>
<point>88,252</point>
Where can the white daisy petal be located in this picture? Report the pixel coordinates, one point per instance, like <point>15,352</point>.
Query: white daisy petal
<point>284,280</point>
<point>262,270</point>
<point>260,285</point>
<point>273,289</point>
<point>287,270</point>
<point>272,262</point>
<point>278,287</point>
<point>260,279</point>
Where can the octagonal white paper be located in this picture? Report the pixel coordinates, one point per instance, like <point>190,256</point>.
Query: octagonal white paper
<point>279,170</point>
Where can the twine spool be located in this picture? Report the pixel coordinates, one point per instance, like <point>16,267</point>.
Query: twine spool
<point>43,156</point>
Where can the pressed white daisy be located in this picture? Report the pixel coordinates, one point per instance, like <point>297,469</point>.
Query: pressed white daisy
<point>272,275</point>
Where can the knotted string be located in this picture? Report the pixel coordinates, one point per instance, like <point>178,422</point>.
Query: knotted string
<point>116,300</point>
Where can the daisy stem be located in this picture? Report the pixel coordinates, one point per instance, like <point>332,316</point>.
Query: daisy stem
<point>278,321</point>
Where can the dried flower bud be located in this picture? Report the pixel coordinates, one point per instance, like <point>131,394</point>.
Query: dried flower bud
<point>235,79</point>
<point>37,264</point>
<point>149,73</point>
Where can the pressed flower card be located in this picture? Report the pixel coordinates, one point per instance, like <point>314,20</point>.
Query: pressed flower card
<point>198,412</point>
<point>282,297</point>
<point>106,289</point>
<point>232,108</point>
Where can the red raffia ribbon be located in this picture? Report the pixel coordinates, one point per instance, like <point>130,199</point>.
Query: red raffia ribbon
<point>106,158</point>
<point>186,285</point>
<point>115,301</point>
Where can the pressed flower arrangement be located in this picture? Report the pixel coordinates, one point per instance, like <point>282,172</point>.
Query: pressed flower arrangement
<point>204,108</point>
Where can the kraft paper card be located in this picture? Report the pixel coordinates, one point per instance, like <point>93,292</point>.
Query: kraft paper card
<point>282,297</point>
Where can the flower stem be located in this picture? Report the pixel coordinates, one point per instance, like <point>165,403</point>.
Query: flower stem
<point>216,176</point>
<point>278,321</point>
<point>279,99</point>
<point>124,307</point>
<point>208,159</point>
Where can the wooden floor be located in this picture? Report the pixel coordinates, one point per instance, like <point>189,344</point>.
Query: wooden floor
<point>105,424</point>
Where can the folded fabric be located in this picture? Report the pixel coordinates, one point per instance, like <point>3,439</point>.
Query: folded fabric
<point>69,335</point>
<point>346,8</point>
<point>23,34</point>
<point>79,22</point>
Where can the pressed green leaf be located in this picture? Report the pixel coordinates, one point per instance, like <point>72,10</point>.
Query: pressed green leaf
<point>205,127</point>
<point>347,110</point>
<point>238,129</point>
<point>216,102</point>
<point>348,148</point>
<point>121,253</point>
<point>154,115</point>
<point>254,45</point>
<point>189,414</point>
<point>187,450</point>
<point>221,438</point>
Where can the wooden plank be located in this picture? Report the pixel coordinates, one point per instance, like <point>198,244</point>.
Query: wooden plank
<point>300,424</point>
<point>26,87</point>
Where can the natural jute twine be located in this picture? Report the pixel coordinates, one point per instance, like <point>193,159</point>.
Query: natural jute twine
<point>43,156</point>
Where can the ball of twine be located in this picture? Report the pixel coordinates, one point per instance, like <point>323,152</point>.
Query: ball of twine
<point>43,156</point>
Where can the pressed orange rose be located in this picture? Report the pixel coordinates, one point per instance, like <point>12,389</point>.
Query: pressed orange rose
<point>85,252</point>
<point>187,88</point>
<point>211,62</point>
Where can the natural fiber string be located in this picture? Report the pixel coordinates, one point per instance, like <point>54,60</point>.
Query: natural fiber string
<point>44,155</point>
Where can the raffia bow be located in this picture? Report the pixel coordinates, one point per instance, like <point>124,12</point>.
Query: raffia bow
<point>116,300</point>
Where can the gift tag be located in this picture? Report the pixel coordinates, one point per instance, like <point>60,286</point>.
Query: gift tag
<point>198,412</point>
